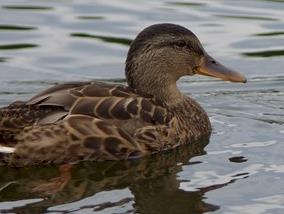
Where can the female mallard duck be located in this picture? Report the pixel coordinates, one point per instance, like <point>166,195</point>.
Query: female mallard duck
<point>98,121</point>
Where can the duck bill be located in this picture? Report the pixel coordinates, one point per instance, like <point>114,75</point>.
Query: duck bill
<point>211,67</point>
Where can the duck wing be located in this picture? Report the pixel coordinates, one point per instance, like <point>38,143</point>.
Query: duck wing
<point>114,102</point>
<point>90,121</point>
<point>100,100</point>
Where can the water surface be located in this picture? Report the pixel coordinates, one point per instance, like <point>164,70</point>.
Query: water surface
<point>241,170</point>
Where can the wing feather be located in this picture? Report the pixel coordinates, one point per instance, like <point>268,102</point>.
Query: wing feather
<point>104,101</point>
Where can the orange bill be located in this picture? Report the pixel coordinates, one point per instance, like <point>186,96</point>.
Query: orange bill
<point>211,67</point>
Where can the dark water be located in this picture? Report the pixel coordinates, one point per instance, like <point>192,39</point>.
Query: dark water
<point>43,42</point>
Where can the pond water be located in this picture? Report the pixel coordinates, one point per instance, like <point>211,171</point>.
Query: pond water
<point>241,170</point>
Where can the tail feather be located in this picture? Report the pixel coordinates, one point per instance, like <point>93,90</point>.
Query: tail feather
<point>6,149</point>
<point>5,154</point>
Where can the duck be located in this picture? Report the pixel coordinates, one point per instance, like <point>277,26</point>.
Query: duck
<point>100,121</point>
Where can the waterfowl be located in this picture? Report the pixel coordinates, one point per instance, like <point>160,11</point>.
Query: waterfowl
<point>98,121</point>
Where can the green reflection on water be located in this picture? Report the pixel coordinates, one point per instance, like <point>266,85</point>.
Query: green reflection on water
<point>187,4</point>
<point>270,53</point>
<point>91,17</point>
<point>280,1</point>
<point>17,46</point>
<point>109,39</point>
<point>3,59</point>
<point>248,17</point>
<point>15,27</point>
<point>275,33</point>
<point>25,7</point>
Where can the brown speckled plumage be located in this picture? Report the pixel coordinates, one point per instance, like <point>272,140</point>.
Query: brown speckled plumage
<point>98,121</point>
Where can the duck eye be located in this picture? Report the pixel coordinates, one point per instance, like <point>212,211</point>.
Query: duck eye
<point>181,44</point>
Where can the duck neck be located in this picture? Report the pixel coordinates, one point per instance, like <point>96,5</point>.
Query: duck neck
<point>159,84</point>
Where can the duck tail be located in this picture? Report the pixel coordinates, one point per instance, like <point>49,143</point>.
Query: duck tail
<point>6,149</point>
<point>5,153</point>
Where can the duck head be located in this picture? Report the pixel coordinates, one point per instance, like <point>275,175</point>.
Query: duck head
<point>162,53</point>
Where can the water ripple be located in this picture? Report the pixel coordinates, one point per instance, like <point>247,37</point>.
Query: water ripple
<point>16,28</point>
<point>97,202</point>
<point>254,144</point>
<point>91,17</point>
<point>26,7</point>
<point>109,39</point>
<point>209,178</point>
<point>264,205</point>
<point>266,53</point>
<point>17,46</point>
<point>258,18</point>
<point>19,203</point>
<point>274,33</point>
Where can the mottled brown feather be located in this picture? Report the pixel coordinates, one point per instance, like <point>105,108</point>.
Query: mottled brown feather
<point>85,106</point>
<point>132,107</point>
<point>94,90</point>
<point>102,110</point>
<point>119,110</point>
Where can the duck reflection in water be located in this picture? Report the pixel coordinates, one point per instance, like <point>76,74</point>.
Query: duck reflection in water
<point>152,181</point>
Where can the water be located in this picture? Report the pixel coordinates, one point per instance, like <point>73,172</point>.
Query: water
<point>240,171</point>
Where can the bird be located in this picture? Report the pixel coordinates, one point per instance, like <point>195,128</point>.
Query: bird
<point>100,121</point>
